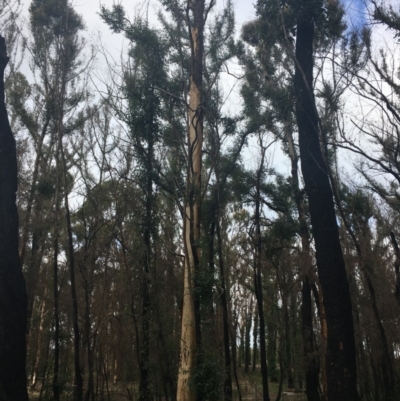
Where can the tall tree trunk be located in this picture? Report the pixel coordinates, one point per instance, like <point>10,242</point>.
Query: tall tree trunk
<point>13,298</point>
<point>255,337</point>
<point>257,278</point>
<point>144,360</point>
<point>78,380</point>
<point>311,362</point>
<point>89,394</point>
<point>190,332</point>
<point>37,362</point>
<point>396,266</point>
<point>32,190</point>
<point>341,351</point>
<point>249,319</point>
<point>224,303</point>
<point>56,385</point>
<point>33,270</point>
<point>310,359</point>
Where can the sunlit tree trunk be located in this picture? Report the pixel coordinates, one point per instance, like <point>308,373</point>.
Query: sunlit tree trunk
<point>190,319</point>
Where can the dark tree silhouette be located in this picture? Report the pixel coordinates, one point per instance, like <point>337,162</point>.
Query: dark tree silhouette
<point>341,352</point>
<point>13,300</point>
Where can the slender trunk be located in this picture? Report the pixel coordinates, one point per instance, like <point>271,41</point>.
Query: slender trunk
<point>255,337</point>
<point>38,357</point>
<point>190,333</point>
<point>312,365</point>
<point>396,266</point>
<point>56,384</point>
<point>288,346</point>
<point>385,358</point>
<point>224,303</point>
<point>258,281</point>
<point>363,247</point>
<point>249,319</point>
<point>33,271</point>
<point>78,380</point>
<point>234,359</point>
<point>144,360</point>
<point>341,352</point>
<point>13,299</point>
<point>89,395</point>
<point>31,196</point>
<point>310,359</point>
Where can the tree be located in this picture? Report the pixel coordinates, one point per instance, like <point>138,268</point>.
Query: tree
<point>57,48</point>
<point>13,292</point>
<point>341,352</point>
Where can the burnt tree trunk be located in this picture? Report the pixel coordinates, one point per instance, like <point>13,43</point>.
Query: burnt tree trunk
<point>258,281</point>
<point>310,359</point>
<point>341,351</point>
<point>396,266</point>
<point>13,298</point>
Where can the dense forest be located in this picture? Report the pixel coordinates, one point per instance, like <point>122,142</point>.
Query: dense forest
<point>212,215</point>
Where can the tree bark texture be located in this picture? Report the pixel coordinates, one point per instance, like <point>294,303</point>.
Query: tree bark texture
<point>224,304</point>
<point>310,357</point>
<point>190,331</point>
<point>341,351</point>
<point>258,280</point>
<point>78,379</point>
<point>13,298</point>
<point>396,266</point>
<point>144,360</point>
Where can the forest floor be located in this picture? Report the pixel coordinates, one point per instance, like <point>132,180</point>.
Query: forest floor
<point>250,386</point>
<point>251,389</point>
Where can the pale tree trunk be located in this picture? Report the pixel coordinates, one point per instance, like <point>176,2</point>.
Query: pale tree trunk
<point>40,345</point>
<point>190,319</point>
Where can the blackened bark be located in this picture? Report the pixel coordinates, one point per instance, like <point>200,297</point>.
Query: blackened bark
<point>258,282</point>
<point>288,347</point>
<point>144,360</point>
<point>312,365</point>
<point>341,351</point>
<point>310,357</point>
<point>396,266</point>
<point>255,337</point>
<point>13,298</point>
<point>224,304</point>
<point>249,319</point>
<point>56,372</point>
<point>78,379</point>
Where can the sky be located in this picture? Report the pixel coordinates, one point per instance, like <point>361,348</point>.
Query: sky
<point>244,11</point>
<point>356,11</point>
<point>99,34</point>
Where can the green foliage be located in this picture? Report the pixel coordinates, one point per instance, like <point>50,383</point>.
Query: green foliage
<point>45,187</point>
<point>56,16</point>
<point>208,378</point>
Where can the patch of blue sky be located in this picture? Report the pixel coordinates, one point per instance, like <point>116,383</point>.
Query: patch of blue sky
<point>356,13</point>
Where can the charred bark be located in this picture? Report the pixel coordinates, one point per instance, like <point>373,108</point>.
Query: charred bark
<point>396,266</point>
<point>13,298</point>
<point>258,281</point>
<point>341,351</point>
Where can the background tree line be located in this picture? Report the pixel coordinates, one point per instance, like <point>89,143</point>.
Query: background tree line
<point>160,263</point>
